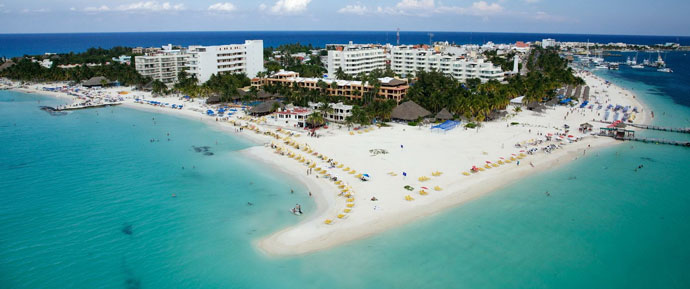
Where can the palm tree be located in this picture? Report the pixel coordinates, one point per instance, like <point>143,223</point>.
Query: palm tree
<point>325,109</point>
<point>316,119</point>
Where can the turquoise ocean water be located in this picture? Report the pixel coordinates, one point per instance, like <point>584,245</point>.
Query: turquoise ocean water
<point>73,185</point>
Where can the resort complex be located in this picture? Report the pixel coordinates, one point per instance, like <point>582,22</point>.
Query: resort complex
<point>406,60</point>
<point>388,87</point>
<point>201,61</point>
<point>353,59</point>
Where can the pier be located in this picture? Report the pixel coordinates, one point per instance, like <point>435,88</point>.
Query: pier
<point>79,106</point>
<point>660,128</point>
<point>658,141</point>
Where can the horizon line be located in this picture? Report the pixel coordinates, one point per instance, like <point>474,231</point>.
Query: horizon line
<point>298,30</point>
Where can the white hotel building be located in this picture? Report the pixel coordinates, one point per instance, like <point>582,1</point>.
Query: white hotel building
<point>406,60</point>
<point>163,65</point>
<point>247,58</point>
<point>355,58</point>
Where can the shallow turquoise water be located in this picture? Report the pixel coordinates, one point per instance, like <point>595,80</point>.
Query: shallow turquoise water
<point>70,184</point>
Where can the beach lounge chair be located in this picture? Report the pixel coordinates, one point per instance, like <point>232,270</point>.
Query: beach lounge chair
<point>409,198</point>
<point>466,173</point>
<point>347,210</point>
<point>437,188</point>
<point>423,193</point>
<point>328,221</point>
<point>350,205</point>
<point>340,216</point>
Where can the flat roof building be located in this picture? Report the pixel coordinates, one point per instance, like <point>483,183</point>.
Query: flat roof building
<point>354,59</point>
<point>406,60</point>
<point>247,58</point>
<point>163,65</point>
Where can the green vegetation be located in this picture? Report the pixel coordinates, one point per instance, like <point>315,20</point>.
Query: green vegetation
<point>505,61</point>
<point>224,86</point>
<point>475,100</point>
<point>27,70</point>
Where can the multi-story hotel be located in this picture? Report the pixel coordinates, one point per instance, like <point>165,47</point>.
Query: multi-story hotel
<point>163,65</point>
<point>390,88</point>
<point>355,58</point>
<point>339,114</point>
<point>406,60</point>
<point>247,58</point>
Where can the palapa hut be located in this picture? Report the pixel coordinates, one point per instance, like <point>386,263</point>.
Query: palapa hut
<point>496,114</point>
<point>259,94</point>
<point>409,111</point>
<point>214,98</point>
<point>265,107</point>
<point>585,127</point>
<point>444,114</point>
<point>97,81</point>
<point>146,87</point>
<point>536,106</point>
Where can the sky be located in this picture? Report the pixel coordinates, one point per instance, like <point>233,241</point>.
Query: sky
<point>635,17</point>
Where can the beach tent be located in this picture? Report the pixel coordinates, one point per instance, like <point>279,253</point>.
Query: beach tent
<point>446,126</point>
<point>517,101</point>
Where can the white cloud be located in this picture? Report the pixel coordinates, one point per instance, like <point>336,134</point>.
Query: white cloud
<point>429,7</point>
<point>224,7</point>
<point>543,16</point>
<point>415,4</point>
<point>289,6</point>
<point>42,10</point>
<point>262,7</point>
<point>357,9</point>
<point>483,8</point>
<point>102,8</point>
<point>151,6</point>
<point>144,6</point>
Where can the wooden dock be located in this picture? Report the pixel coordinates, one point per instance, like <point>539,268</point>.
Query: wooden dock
<point>661,128</point>
<point>658,141</point>
<point>68,108</point>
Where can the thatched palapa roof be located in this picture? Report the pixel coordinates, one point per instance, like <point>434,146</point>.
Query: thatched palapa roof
<point>409,111</point>
<point>265,107</point>
<point>444,114</point>
<point>96,81</point>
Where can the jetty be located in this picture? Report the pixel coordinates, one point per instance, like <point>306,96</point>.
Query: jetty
<point>661,128</point>
<point>658,141</point>
<point>80,106</point>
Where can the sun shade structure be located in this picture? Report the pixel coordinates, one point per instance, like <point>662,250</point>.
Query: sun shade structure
<point>444,114</point>
<point>265,107</point>
<point>409,111</point>
<point>97,81</point>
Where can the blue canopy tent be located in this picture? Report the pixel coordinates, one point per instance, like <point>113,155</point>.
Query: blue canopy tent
<point>446,125</point>
<point>564,101</point>
<point>584,104</point>
<point>209,112</point>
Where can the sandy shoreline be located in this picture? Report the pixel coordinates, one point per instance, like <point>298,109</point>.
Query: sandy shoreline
<point>415,151</point>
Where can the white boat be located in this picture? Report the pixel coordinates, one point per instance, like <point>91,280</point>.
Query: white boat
<point>601,66</point>
<point>637,66</point>
<point>665,69</point>
<point>659,61</point>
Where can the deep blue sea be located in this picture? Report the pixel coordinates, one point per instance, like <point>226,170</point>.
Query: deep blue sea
<point>87,203</point>
<point>20,44</point>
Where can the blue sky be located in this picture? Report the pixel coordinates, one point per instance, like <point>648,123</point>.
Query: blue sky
<point>661,17</point>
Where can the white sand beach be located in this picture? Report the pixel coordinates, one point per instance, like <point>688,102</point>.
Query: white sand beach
<point>436,164</point>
